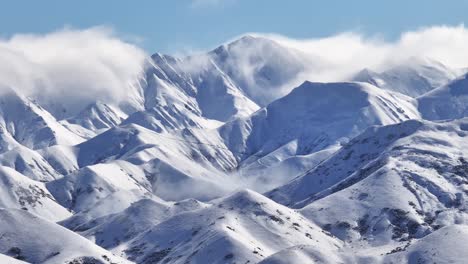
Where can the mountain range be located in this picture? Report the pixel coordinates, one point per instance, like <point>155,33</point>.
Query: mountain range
<point>237,156</point>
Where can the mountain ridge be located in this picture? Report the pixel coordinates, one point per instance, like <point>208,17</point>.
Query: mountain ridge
<point>237,155</point>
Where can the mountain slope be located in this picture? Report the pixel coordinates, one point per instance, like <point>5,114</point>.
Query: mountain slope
<point>20,192</point>
<point>29,163</point>
<point>98,116</point>
<point>111,231</point>
<point>445,245</point>
<point>10,260</point>
<point>304,115</point>
<point>168,163</point>
<point>31,125</point>
<point>32,239</point>
<point>244,227</point>
<point>214,85</point>
<point>194,86</point>
<point>82,189</point>
<point>396,182</point>
<point>447,102</point>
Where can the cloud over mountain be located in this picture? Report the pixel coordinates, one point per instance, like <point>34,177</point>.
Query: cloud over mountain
<point>341,55</point>
<point>76,66</point>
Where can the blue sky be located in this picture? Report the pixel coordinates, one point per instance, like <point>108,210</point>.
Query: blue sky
<point>172,25</point>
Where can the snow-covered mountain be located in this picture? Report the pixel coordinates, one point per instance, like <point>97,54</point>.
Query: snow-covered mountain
<point>134,220</point>
<point>20,192</point>
<point>35,240</point>
<point>229,156</point>
<point>260,67</point>
<point>412,77</point>
<point>294,133</point>
<point>304,115</point>
<point>98,116</point>
<point>397,182</point>
<point>239,228</point>
<point>438,247</point>
<point>30,125</point>
<point>447,102</point>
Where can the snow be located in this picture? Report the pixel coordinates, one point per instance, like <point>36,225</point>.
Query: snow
<point>10,260</point>
<point>412,77</point>
<point>169,162</point>
<point>260,67</point>
<point>446,102</point>
<point>83,188</point>
<point>112,230</point>
<point>205,93</point>
<point>245,226</point>
<point>20,192</point>
<point>230,157</point>
<point>301,116</point>
<point>99,116</point>
<point>446,245</point>
<point>29,163</point>
<point>31,125</point>
<point>36,240</point>
<point>412,183</point>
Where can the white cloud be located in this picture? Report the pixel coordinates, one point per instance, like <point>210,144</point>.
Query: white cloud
<point>442,43</point>
<point>343,54</point>
<point>74,67</point>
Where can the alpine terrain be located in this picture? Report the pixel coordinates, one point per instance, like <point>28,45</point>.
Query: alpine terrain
<point>236,156</point>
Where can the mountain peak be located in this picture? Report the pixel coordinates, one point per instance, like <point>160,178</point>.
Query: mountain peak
<point>248,41</point>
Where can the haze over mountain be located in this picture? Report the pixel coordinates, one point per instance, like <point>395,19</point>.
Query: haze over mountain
<point>241,154</point>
